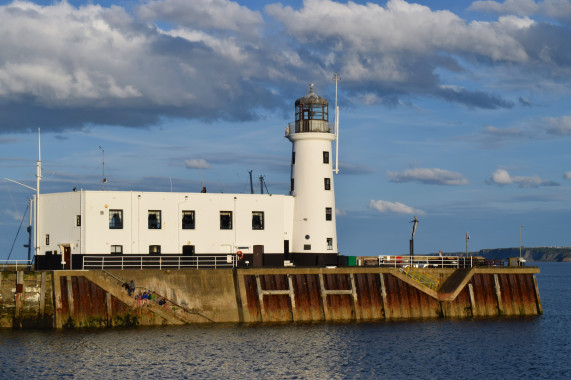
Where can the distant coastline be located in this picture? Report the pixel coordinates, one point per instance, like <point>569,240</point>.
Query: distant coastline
<point>554,254</point>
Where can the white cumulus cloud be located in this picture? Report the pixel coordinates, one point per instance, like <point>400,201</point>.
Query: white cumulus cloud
<point>432,176</point>
<point>393,207</point>
<point>502,177</point>
<point>196,163</point>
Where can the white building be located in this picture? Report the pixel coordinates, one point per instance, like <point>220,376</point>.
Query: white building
<point>300,227</point>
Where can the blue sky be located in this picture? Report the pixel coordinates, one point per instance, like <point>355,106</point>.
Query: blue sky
<point>454,111</point>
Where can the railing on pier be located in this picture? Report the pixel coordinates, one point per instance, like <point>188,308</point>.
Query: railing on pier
<point>429,261</point>
<point>15,265</point>
<point>158,262</point>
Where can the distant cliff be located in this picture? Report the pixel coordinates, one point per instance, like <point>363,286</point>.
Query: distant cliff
<point>530,254</point>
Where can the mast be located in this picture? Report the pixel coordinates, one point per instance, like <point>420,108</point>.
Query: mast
<point>336,79</point>
<point>37,213</point>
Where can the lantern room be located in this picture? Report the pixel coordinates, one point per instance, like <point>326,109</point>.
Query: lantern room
<point>311,114</point>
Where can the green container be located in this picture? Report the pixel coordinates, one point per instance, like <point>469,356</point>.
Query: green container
<point>352,262</point>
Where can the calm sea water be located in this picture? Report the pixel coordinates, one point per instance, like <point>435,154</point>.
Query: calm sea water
<point>535,347</point>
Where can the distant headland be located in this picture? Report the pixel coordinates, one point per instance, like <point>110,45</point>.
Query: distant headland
<point>555,254</point>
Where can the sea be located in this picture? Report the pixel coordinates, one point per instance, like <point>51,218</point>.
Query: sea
<point>499,348</point>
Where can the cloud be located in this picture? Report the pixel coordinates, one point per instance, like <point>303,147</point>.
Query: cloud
<point>432,176</point>
<point>558,126</point>
<point>340,212</point>
<point>15,215</point>
<point>64,67</point>
<point>502,177</point>
<point>202,14</point>
<point>393,207</point>
<point>196,163</point>
<point>567,175</point>
<point>542,128</point>
<point>558,9</point>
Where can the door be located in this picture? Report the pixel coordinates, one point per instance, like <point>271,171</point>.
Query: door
<point>67,257</point>
<point>258,256</point>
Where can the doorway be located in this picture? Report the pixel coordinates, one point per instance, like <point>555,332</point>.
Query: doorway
<point>67,256</point>
<point>258,256</point>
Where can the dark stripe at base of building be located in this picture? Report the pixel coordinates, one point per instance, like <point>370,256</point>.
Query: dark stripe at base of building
<point>54,262</point>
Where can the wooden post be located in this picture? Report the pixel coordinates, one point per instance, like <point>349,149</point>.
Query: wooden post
<point>384,295</point>
<point>70,296</point>
<point>260,297</point>
<point>498,294</point>
<point>354,291</point>
<point>538,300</point>
<point>472,300</point>
<point>109,308</point>
<point>291,296</point>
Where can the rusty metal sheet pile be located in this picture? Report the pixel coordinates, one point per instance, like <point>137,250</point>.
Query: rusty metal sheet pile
<point>375,296</point>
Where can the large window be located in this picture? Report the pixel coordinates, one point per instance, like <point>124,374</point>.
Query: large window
<point>325,157</point>
<point>188,220</point>
<point>115,219</point>
<point>328,213</point>
<point>327,182</point>
<point>225,220</point>
<point>154,219</point>
<point>257,220</point>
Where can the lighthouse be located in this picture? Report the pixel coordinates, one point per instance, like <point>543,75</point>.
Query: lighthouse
<point>311,185</point>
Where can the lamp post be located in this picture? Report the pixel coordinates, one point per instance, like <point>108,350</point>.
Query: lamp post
<point>520,228</point>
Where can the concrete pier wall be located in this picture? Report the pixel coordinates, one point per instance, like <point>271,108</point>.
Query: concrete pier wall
<point>72,299</point>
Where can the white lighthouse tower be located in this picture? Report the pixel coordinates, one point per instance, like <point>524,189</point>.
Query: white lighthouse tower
<point>314,223</point>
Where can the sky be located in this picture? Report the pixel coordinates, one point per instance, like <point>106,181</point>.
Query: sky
<point>456,112</point>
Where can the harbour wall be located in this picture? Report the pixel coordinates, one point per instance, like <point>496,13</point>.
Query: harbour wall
<point>95,298</point>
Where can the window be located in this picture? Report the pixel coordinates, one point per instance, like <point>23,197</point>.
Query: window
<point>154,249</point>
<point>257,220</point>
<point>225,220</point>
<point>47,239</point>
<point>188,250</point>
<point>154,219</point>
<point>291,185</point>
<point>78,220</point>
<point>325,157</point>
<point>293,158</point>
<point>117,249</point>
<point>188,220</point>
<point>327,182</point>
<point>328,213</point>
<point>329,243</point>
<point>115,219</point>
<point>307,247</point>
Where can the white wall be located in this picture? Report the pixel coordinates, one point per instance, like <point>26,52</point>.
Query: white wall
<point>59,212</point>
<point>310,195</point>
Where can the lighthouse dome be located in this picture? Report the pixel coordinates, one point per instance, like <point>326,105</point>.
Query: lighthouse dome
<point>312,113</point>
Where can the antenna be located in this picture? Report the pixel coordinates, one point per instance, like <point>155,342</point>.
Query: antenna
<point>38,178</point>
<point>251,183</point>
<point>336,79</point>
<point>103,180</point>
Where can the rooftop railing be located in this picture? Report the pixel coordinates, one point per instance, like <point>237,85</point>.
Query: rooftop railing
<point>429,261</point>
<point>158,262</point>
